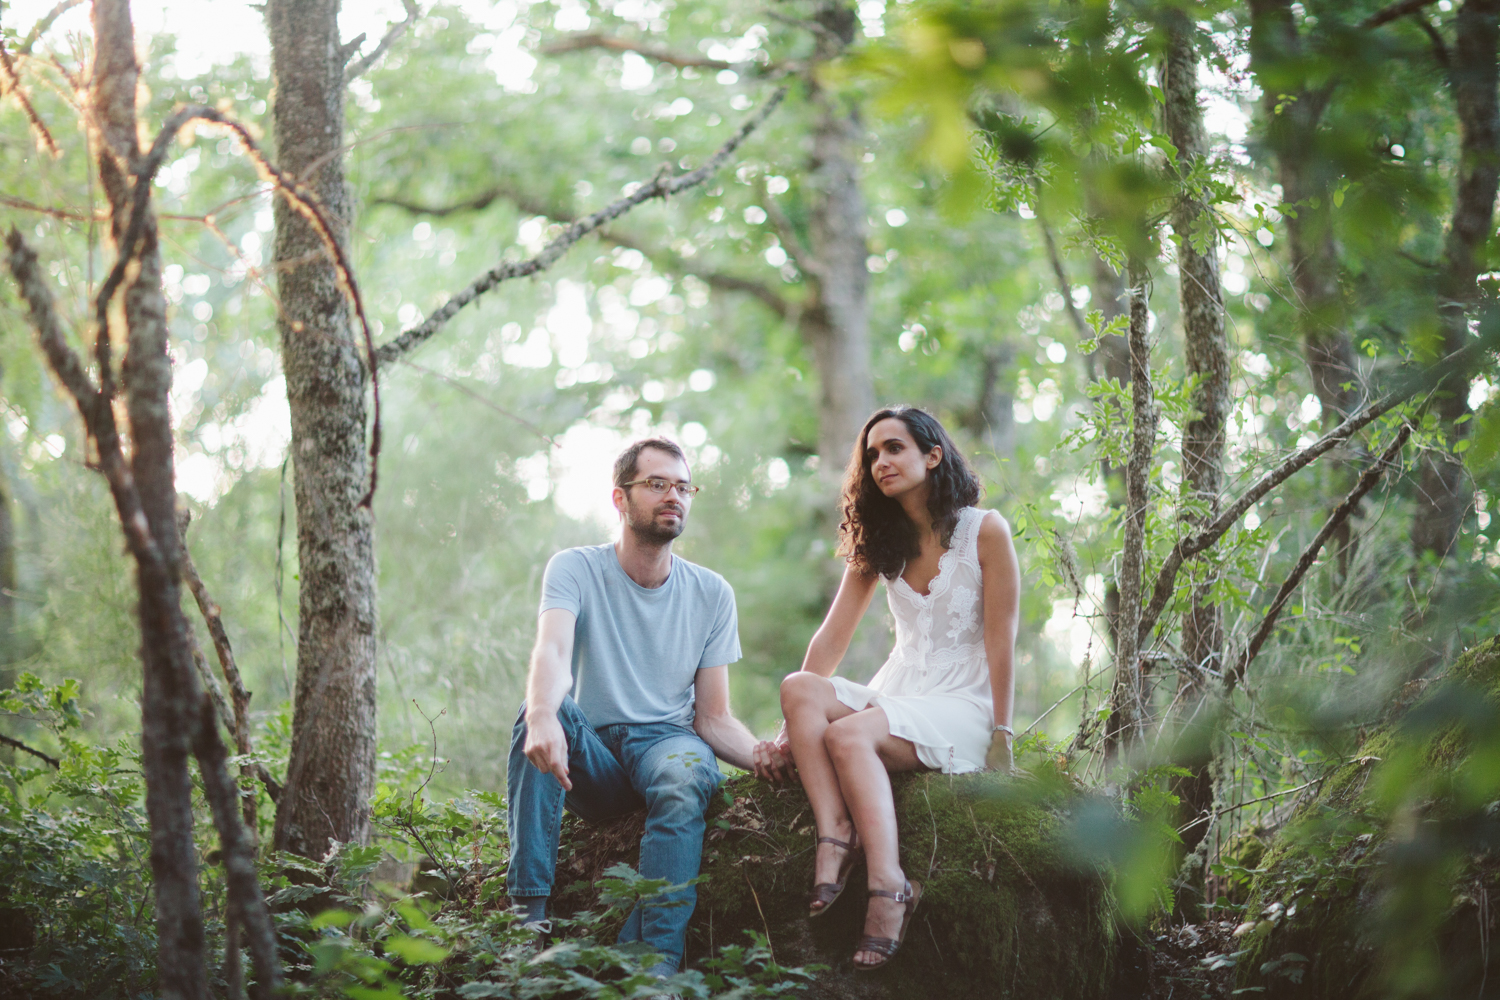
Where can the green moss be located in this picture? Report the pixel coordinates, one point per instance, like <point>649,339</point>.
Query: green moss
<point>1005,912</point>
<point>1326,869</point>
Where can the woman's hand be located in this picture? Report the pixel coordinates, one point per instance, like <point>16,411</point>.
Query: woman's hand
<point>999,756</point>
<point>773,758</point>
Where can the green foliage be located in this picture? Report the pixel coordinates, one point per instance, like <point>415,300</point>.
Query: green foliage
<point>75,913</point>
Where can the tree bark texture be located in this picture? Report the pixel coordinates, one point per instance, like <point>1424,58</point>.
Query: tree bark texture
<point>1127,701</point>
<point>8,581</point>
<point>994,420</point>
<point>1207,355</point>
<point>837,326</point>
<point>1442,500</point>
<point>1292,116</point>
<point>330,776</point>
<point>169,689</point>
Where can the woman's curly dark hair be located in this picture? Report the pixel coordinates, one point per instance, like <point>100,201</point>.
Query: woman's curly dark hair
<point>875,535</point>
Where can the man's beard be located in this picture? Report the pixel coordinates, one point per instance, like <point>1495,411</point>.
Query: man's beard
<point>647,530</point>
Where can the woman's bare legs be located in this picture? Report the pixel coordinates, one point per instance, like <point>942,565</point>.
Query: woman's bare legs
<point>809,706</point>
<point>863,752</point>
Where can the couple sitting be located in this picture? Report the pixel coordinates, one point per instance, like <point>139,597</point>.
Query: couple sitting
<point>643,639</point>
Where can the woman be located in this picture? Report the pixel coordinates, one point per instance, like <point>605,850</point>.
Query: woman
<point>942,701</point>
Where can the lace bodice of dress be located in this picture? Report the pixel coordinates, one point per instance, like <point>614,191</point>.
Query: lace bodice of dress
<point>947,625</point>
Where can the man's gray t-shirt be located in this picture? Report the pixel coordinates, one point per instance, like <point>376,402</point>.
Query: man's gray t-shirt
<point>637,651</point>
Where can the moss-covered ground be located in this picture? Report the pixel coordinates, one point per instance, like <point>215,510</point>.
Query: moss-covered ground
<point>1380,886</point>
<point>1005,910</point>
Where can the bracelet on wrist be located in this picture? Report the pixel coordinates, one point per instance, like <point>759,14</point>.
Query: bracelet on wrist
<point>1005,729</point>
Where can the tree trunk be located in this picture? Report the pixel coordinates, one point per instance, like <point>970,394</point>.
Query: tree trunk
<point>8,582</point>
<point>1106,293</point>
<point>1292,113</point>
<point>1127,701</point>
<point>331,774</point>
<point>1207,351</point>
<point>837,328</point>
<point>994,420</point>
<point>1442,500</point>
<point>169,689</point>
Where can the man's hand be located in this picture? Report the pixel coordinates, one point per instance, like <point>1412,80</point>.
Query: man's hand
<point>547,747</point>
<point>773,760</point>
<point>999,756</point>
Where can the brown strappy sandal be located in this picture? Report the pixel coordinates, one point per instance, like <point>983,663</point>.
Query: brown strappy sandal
<point>824,893</point>
<point>887,946</point>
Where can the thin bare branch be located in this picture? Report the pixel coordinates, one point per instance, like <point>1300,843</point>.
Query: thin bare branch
<point>763,293</point>
<point>26,269</point>
<point>656,53</point>
<point>392,35</point>
<point>1439,47</point>
<point>461,387</point>
<point>663,185</point>
<point>804,258</point>
<point>1408,386</point>
<point>18,745</point>
<point>1394,12</point>
<point>10,83</point>
<point>307,204</point>
<point>40,28</point>
<point>237,718</point>
<point>72,215</point>
<point>1063,284</point>
<point>1339,515</point>
<point>478,203</point>
<point>1206,817</point>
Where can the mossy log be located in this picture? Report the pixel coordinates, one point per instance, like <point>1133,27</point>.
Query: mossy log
<point>1364,894</point>
<point>1005,912</point>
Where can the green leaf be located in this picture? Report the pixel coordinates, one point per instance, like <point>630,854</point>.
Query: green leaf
<point>331,918</point>
<point>372,993</point>
<point>415,951</point>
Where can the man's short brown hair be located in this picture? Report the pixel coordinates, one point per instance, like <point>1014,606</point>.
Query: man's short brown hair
<point>625,465</point>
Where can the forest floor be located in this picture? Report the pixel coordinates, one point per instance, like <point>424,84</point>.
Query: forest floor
<point>1188,961</point>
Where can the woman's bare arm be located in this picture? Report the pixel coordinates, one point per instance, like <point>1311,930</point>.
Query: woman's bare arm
<point>1001,575</point>
<point>831,641</point>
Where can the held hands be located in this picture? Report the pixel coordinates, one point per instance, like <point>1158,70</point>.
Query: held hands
<point>999,756</point>
<point>547,747</point>
<point>773,757</point>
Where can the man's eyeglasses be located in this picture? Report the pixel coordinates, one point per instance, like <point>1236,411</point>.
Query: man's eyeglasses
<point>663,486</point>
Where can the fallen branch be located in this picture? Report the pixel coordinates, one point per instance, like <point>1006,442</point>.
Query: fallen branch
<point>1339,515</point>
<point>18,745</point>
<point>393,34</point>
<point>663,185</point>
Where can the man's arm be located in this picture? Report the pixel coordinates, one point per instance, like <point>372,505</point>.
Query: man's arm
<point>714,722</point>
<point>548,681</point>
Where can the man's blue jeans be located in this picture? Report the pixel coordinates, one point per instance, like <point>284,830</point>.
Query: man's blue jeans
<point>616,770</point>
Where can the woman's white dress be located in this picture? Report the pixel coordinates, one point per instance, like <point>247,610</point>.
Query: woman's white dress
<point>935,687</point>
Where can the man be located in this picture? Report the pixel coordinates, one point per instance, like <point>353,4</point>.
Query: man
<point>643,640</point>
